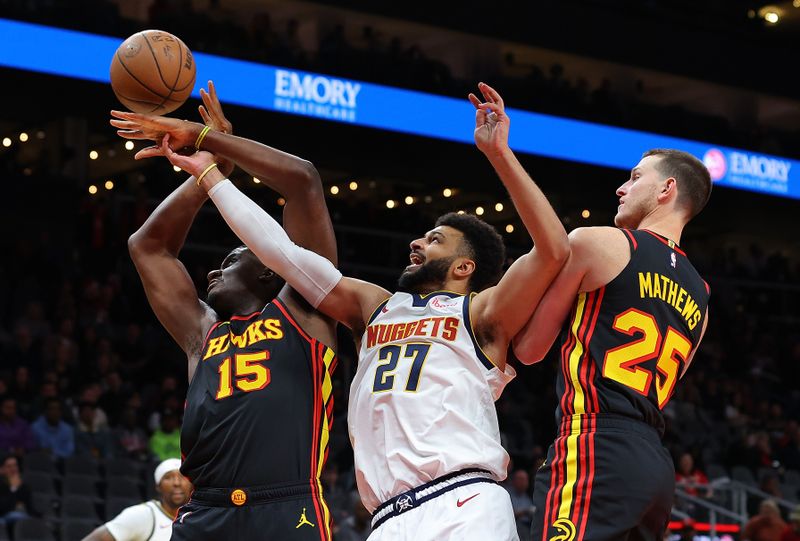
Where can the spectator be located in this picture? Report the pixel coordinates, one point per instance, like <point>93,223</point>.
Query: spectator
<point>130,440</point>
<point>688,477</point>
<point>15,498</point>
<point>792,531</point>
<point>767,525</point>
<point>15,433</point>
<point>166,441</point>
<point>90,440</point>
<point>521,502</point>
<point>52,433</point>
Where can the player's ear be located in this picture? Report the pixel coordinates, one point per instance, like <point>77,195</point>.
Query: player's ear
<point>668,188</point>
<point>464,267</point>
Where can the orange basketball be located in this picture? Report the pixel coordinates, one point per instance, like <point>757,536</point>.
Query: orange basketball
<point>152,72</point>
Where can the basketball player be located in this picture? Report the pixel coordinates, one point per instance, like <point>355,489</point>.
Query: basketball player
<point>255,430</point>
<point>152,520</point>
<point>432,357</point>
<point>637,312</point>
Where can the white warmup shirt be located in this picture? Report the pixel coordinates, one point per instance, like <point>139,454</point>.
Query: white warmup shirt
<point>144,522</point>
<point>422,400</point>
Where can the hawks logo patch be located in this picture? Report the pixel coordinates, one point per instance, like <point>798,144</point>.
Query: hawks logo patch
<point>566,530</point>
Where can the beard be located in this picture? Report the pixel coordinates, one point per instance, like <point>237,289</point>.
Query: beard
<point>430,276</point>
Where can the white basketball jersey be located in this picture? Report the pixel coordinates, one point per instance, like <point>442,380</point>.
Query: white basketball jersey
<point>422,400</point>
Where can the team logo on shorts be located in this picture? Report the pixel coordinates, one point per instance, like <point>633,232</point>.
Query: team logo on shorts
<point>404,503</point>
<point>238,497</point>
<point>566,530</point>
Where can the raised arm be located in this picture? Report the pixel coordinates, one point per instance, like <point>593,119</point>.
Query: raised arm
<point>346,300</point>
<point>502,310</point>
<point>154,249</point>
<point>305,215</point>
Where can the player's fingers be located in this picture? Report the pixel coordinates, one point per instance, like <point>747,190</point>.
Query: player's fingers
<point>480,117</point>
<point>204,115</point>
<point>474,100</point>
<point>212,90</point>
<point>124,124</point>
<point>149,152</point>
<point>122,114</point>
<point>132,134</point>
<point>491,92</point>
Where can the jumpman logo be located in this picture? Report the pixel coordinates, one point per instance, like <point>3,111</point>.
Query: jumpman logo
<point>303,520</point>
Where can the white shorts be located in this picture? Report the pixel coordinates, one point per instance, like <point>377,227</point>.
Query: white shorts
<point>477,512</point>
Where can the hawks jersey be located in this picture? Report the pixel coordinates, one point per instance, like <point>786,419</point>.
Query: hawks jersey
<point>258,409</point>
<point>422,400</point>
<point>625,345</point>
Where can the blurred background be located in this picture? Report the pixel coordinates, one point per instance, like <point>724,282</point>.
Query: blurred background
<point>79,342</point>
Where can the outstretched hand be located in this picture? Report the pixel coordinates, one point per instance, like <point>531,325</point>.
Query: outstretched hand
<point>211,112</point>
<point>193,164</point>
<point>152,127</point>
<point>491,121</point>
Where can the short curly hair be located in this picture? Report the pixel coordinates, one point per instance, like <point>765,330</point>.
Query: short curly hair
<point>483,244</point>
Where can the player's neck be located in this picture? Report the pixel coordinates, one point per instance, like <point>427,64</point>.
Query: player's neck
<point>670,227</point>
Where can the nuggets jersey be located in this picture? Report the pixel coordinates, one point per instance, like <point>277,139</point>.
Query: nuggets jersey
<point>258,409</point>
<point>625,345</point>
<point>422,400</point>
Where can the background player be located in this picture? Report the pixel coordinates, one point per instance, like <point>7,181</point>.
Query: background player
<point>255,429</point>
<point>432,359</point>
<point>639,316</point>
<point>152,520</point>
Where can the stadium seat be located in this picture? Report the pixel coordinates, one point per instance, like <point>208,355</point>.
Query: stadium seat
<point>123,467</point>
<point>38,461</point>
<point>792,477</point>
<point>76,507</point>
<point>81,465</point>
<point>79,485</point>
<point>40,482</point>
<point>122,487</point>
<point>45,505</point>
<point>3,533</point>
<point>743,475</point>
<point>114,505</point>
<point>716,471</point>
<point>32,529</point>
<point>789,491</point>
<point>75,530</point>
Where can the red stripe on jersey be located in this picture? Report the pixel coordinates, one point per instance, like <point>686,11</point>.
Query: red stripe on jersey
<point>665,241</point>
<point>633,239</point>
<point>291,320</point>
<point>244,317</point>
<point>315,431</point>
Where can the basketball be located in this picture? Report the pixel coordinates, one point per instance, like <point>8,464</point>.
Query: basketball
<point>152,72</point>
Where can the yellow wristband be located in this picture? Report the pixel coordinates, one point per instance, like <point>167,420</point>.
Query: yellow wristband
<point>202,136</point>
<point>205,172</point>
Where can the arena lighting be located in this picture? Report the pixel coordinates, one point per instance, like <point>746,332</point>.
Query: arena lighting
<point>771,14</point>
<point>6,141</point>
<point>353,185</point>
<point>40,134</point>
<point>23,137</point>
<point>93,155</point>
<point>128,145</point>
<point>772,17</point>
<point>256,180</point>
<point>461,212</point>
<point>390,204</point>
<point>409,200</point>
<point>796,3</point>
<point>281,201</point>
<point>447,192</point>
<point>509,228</point>
<point>92,189</point>
<point>428,199</point>
<point>109,185</point>
<point>176,168</point>
<point>334,190</point>
<point>498,207</point>
<point>585,213</point>
<point>479,211</point>
<point>86,56</point>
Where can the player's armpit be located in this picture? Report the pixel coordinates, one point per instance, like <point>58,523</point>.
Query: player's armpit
<point>352,302</point>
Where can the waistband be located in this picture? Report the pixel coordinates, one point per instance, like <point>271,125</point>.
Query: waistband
<point>415,497</point>
<point>605,422</point>
<point>255,495</point>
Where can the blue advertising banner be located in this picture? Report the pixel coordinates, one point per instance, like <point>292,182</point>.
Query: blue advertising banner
<point>80,55</point>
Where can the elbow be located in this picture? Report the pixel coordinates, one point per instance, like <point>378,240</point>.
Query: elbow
<point>135,244</point>
<point>524,353</point>
<point>555,255</point>
<point>309,177</point>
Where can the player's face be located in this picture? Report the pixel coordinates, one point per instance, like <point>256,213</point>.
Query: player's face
<point>431,259</point>
<point>175,489</point>
<point>638,197</point>
<point>232,281</point>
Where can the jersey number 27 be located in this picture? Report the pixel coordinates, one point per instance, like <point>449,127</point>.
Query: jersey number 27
<point>389,356</point>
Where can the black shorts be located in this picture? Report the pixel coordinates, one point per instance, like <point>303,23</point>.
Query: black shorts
<point>605,478</point>
<point>288,513</point>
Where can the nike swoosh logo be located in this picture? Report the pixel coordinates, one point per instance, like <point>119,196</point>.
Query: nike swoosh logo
<point>459,503</point>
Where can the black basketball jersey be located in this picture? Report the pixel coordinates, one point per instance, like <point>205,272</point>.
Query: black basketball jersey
<point>259,408</point>
<point>625,345</point>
